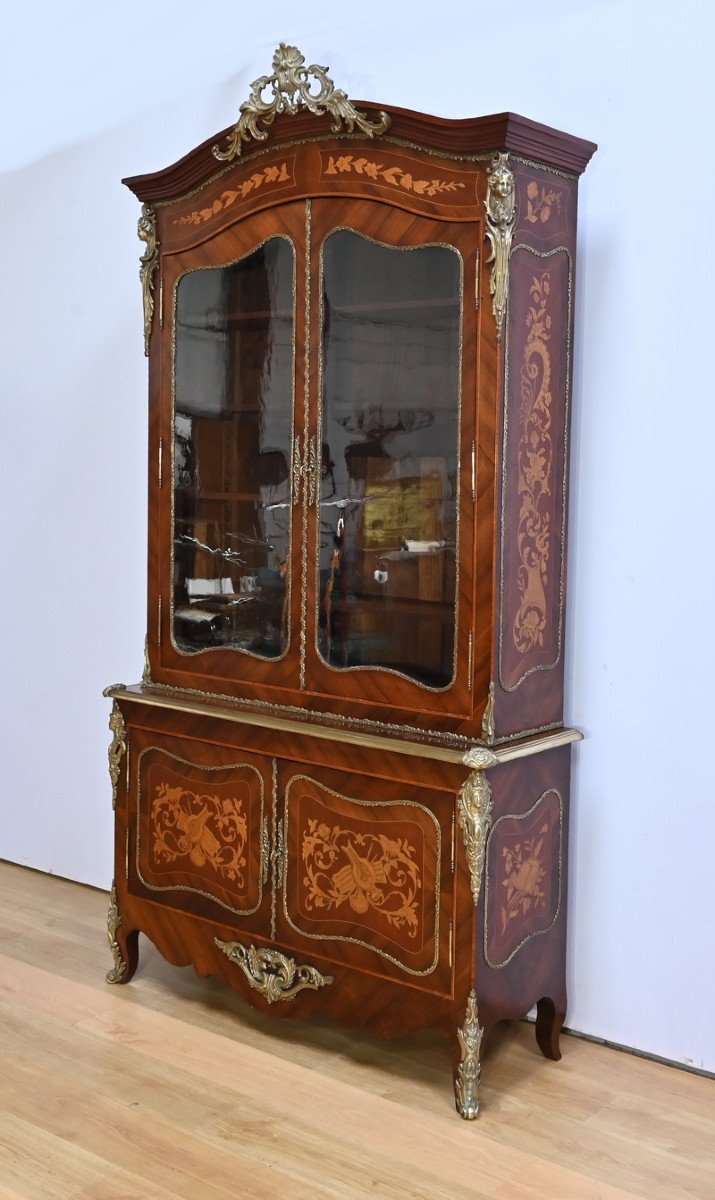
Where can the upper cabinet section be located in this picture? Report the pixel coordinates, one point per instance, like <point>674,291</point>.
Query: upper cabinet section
<point>336,501</point>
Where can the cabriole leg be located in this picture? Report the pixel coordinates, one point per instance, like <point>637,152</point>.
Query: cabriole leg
<point>123,943</point>
<point>548,1027</point>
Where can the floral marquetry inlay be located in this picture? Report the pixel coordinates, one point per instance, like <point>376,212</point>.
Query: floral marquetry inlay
<point>541,202</point>
<point>362,871</point>
<point>523,876</point>
<point>382,172</point>
<point>275,175</point>
<point>535,467</point>
<point>207,830</point>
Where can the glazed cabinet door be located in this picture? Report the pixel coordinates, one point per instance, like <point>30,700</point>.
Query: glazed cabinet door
<point>366,875</point>
<point>198,827</point>
<point>223,552</point>
<point>392,456</point>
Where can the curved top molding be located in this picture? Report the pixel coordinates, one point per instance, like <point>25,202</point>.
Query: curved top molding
<point>503,133</point>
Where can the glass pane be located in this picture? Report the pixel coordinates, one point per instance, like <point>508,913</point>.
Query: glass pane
<point>390,457</point>
<point>232,427</point>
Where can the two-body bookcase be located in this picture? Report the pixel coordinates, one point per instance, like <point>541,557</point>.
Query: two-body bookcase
<point>342,784</point>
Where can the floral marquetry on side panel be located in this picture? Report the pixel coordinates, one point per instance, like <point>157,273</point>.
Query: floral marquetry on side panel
<point>535,432</point>
<point>523,878</point>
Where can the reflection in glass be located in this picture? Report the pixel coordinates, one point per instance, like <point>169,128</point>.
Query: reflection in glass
<point>390,457</point>
<point>232,428</point>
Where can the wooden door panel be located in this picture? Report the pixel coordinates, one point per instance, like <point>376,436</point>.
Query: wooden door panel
<point>368,874</point>
<point>199,816</point>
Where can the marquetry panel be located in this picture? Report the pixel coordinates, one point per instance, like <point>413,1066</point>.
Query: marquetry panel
<point>522,895</point>
<point>366,873</point>
<point>533,515</point>
<point>200,829</point>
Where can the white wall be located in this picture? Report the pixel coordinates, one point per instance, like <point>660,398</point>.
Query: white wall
<point>93,94</point>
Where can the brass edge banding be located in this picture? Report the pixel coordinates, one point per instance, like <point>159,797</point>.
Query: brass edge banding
<point>503,753</point>
<point>289,542</point>
<point>466,1084</point>
<point>326,937</point>
<point>543,254</point>
<point>274,975</point>
<point>153,887</point>
<point>306,430</point>
<point>497,966</point>
<point>573,176</point>
<point>274,842</point>
<point>455,656</point>
<point>350,724</point>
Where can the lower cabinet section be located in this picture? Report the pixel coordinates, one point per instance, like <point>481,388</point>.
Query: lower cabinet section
<point>390,890</point>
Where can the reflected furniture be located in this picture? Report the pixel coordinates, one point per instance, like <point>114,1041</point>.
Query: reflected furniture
<point>342,784</point>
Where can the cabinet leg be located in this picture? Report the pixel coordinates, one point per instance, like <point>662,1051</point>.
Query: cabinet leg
<point>548,1027</point>
<point>466,1078</point>
<point>124,944</point>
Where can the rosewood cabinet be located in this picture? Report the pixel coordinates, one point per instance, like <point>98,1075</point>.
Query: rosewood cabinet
<point>342,784</point>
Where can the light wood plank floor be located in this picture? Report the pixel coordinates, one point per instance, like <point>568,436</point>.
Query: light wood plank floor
<point>171,1088</point>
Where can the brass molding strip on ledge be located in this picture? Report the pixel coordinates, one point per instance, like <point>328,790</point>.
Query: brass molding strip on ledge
<point>502,754</point>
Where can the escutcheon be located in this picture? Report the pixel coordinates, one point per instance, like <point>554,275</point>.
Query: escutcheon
<point>274,975</point>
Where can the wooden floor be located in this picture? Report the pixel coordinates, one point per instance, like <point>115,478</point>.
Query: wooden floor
<point>170,1088</point>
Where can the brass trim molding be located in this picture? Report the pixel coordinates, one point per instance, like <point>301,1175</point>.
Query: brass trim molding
<point>149,261</point>
<point>466,1084</point>
<point>274,975</point>
<point>500,206</point>
<point>117,749</point>
<point>114,920</point>
<point>290,85</point>
<point>306,429</point>
<point>508,750</point>
<point>474,807</point>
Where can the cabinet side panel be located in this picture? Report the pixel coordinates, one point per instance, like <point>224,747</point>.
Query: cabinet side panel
<point>531,549</point>
<point>523,908</point>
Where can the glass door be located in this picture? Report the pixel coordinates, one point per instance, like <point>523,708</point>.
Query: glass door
<point>234,342</point>
<point>395,412</point>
